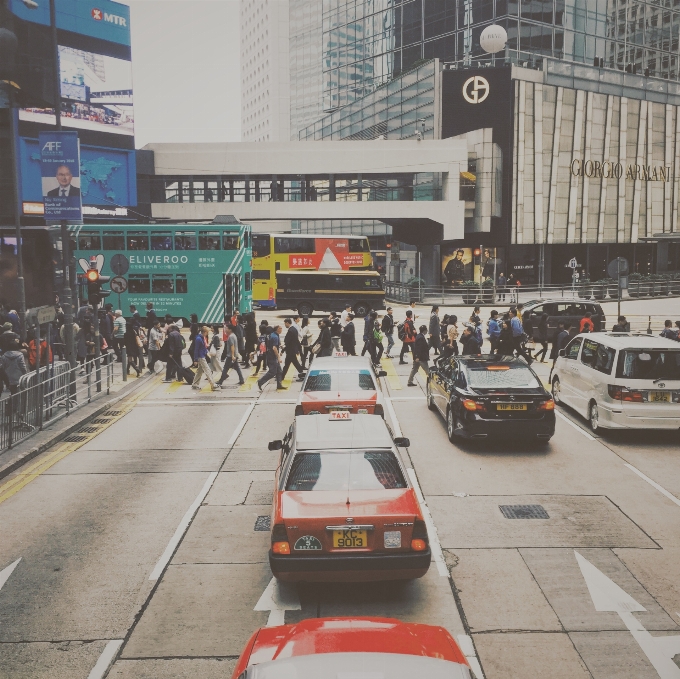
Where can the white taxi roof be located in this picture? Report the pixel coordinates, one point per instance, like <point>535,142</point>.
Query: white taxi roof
<point>331,363</point>
<point>632,340</point>
<point>320,432</point>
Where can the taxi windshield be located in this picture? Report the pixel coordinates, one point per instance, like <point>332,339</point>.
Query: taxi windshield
<point>374,470</point>
<point>500,376</point>
<point>339,380</point>
<point>649,364</point>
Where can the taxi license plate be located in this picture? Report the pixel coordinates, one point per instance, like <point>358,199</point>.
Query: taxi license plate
<point>347,539</point>
<point>660,396</point>
<point>511,406</point>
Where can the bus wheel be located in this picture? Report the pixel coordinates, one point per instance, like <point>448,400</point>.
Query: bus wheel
<point>361,309</point>
<point>305,309</point>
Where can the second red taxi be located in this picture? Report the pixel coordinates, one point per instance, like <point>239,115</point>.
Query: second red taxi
<point>344,508</point>
<point>341,383</point>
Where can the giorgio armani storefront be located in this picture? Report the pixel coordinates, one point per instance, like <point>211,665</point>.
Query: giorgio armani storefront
<point>591,167</point>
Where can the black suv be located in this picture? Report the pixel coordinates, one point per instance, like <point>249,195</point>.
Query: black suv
<point>564,310</point>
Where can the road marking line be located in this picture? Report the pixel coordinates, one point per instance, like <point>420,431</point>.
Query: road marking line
<point>106,659</point>
<point>277,598</point>
<point>174,387</point>
<point>575,426</point>
<point>468,648</point>
<point>393,416</point>
<point>6,572</point>
<point>33,471</point>
<point>435,546</point>
<point>392,376</point>
<point>662,490</point>
<point>249,383</point>
<point>408,398</point>
<point>241,424</point>
<point>198,401</point>
<point>181,529</point>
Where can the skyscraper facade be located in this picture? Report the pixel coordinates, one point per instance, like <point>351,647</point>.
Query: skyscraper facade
<point>265,72</point>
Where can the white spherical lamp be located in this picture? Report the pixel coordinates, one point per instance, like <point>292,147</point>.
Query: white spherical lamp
<point>493,39</point>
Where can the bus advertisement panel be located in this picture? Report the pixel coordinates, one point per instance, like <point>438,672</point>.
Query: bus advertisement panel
<point>290,252</point>
<point>181,268</point>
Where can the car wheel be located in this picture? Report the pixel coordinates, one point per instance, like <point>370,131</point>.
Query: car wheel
<point>557,390</point>
<point>305,309</point>
<point>430,401</point>
<point>450,424</point>
<point>361,309</point>
<point>594,417</point>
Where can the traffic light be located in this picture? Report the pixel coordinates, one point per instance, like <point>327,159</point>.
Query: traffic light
<point>95,280</point>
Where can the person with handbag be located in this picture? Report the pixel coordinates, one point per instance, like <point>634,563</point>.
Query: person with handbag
<point>200,356</point>
<point>306,341</point>
<point>156,338</point>
<point>214,350</point>
<point>133,349</point>
<point>348,337</point>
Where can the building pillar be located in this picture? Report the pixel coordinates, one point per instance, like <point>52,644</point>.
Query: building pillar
<point>661,256</point>
<point>331,187</point>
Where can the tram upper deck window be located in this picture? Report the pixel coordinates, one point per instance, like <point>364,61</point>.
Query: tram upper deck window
<point>161,240</point>
<point>185,240</point>
<point>208,240</point>
<point>163,284</point>
<point>114,240</point>
<point>230,241</point>
<point>137,240</point>
<point>181,285</point>
<point>261,245</point>
<point>89,240</point>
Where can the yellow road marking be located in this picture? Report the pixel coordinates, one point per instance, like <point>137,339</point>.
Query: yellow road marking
<point>34,470</point>
<point>250,383</point>
<point>289,378</point>
<point>391,371</point>
<point>174,387</point>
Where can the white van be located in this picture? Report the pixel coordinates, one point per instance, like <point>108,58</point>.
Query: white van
<point>620,380</point>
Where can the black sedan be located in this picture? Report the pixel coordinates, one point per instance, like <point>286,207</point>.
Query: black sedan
<point>491,397</point>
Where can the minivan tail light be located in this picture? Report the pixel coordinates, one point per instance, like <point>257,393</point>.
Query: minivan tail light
<point>623,394</point>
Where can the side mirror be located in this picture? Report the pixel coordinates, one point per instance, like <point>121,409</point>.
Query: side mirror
<point>276,445</point>
<point>382,373</point>
<point>402,442</point>
<point>562,352</point>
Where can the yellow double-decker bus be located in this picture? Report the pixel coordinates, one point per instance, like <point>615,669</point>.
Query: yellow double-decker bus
<point>298,252</point>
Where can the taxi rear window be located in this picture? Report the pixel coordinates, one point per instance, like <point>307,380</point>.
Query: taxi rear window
<point>374,470</point>
<point>513,376</point>
<point>340,380</point>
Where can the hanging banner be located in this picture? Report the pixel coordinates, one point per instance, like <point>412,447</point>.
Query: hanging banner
<point>60,171</point>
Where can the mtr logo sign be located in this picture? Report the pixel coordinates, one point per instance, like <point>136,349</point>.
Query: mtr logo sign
<point>98,15</point>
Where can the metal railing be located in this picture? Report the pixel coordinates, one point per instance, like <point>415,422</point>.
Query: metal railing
<point>45,397</point>
<point>488,294</point>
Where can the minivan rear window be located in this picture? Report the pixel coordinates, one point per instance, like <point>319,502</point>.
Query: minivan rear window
<point>371,470</point>
<point>649,364</point>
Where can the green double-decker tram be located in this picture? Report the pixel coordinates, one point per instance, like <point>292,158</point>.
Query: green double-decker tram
<point>204,269</point>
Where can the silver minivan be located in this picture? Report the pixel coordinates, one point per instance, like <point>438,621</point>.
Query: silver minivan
<point>620,380</point>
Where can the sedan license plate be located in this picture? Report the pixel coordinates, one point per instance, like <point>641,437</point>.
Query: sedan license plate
<point>347,539</point>
<point>660,396</point>
<point>511,406</point>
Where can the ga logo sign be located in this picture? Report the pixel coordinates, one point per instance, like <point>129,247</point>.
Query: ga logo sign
<point>476,89</point>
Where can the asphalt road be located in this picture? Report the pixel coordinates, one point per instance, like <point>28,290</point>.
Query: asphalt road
<point>138,544</point>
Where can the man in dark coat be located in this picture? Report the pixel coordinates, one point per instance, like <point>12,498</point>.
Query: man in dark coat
<point>421,355</point>
<point>151,316</point>
<point>292,348</point>
<point>175,347</point>
<point>470,342</point>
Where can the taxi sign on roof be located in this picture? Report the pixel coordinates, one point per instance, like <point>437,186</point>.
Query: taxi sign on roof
<point>341,354</point>
<point>340,415</point>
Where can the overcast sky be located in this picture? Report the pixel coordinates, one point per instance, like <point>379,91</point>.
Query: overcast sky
<point>185,69</point>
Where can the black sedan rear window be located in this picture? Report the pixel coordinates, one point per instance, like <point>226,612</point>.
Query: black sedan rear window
<point>500,376</point>
<point>374,470</point>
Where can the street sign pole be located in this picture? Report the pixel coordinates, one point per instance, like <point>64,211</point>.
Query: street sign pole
<point>97,348</point>
<point>66,303</point>
<point>618,269</point>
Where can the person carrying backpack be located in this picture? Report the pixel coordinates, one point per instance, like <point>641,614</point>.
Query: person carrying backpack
<point>261,359</point>
<point>387,327</point>
<point>407,334</point>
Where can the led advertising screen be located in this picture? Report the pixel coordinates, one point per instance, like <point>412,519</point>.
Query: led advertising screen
<point>96,93</point>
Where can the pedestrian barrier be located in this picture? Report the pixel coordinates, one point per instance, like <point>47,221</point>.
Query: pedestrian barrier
<point>50,395</point>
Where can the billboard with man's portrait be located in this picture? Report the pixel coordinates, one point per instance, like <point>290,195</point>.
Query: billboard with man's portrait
<point>60,172</point>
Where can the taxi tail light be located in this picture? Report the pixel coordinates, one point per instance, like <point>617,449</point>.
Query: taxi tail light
<point>299,410</point>
<point>472,406</point>
<point>280,544</point>
<point>419,536</point>
<point>623,394</point>
<point>378,410</point>
<point>546,405</point>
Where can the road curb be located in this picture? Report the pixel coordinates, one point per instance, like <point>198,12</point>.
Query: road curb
<point>73,425</point>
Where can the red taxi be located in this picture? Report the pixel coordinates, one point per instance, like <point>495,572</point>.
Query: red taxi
<point>352,647</point>
<point>341,383</point>
<point>344,509</point>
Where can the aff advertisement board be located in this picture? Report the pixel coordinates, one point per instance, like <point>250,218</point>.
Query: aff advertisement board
<point>60,173</point>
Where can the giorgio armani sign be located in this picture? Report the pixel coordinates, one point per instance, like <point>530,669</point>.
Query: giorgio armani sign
<point>614,170</point>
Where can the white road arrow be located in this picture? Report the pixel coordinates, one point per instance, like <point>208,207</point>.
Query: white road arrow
<point>6,572</point>
<point>608,596</point>
<point>278,598</point>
